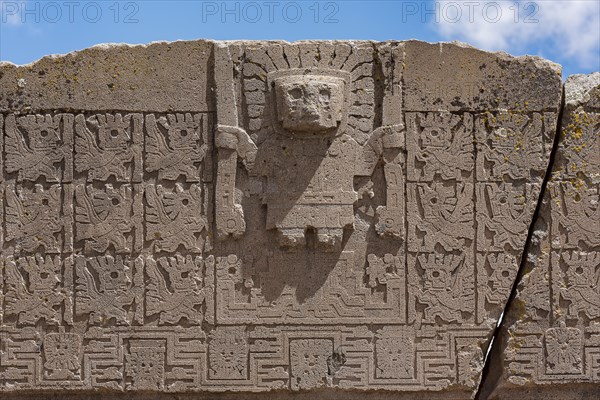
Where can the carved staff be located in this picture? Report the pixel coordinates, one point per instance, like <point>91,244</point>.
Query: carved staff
<point>231,141</point>
<point>391,217</point>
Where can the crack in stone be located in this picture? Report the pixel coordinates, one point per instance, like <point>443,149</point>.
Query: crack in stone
<point>486,386</point>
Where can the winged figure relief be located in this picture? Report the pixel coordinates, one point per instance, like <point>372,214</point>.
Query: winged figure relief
<point>448,289</point>
<point>174,289</point>
<point>582,288</point>
<point>35,147</point>
<point>515,145</point>
<point>174,218</point>
<point>175,146</point>
<point>447,146</point>
<point>447,216</point>
<point>581,215</point>
<point>35,294</point>
<point>33,218</point>
<point>104,217</point>
<point>105,289</point>
<point>509,216</point>
<point>501,280</point>
<point>108,148</point>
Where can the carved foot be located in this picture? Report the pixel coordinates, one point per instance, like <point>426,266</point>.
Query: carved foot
<point>292,238</point>
<point>330,239</point>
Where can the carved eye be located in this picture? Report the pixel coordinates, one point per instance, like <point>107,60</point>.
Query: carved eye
<point>325,95</point>
<point>114,133</point>
<point>185,275</point>
<point>502,200</point>
<point>433,200</point>
<point>505,274</point>
<point>44,133</point>
<point>185,202</point>
<point>114,275</point>
<point>184,133</point>
<point>577,197</point>
<point>44,275</point>
<point>434,133</point>
<point>295,93</point>
<point>115,201</point>
<point>435,274</point>
<point>579,270</point>
<point>45,202</point>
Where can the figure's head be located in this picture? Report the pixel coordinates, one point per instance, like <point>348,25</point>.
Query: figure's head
<point>114,131</point>
<point>43,131</point>
<point>44,273</point>
<point>309,103</point>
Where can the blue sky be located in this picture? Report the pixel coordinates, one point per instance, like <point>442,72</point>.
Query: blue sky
<point>567,32</point>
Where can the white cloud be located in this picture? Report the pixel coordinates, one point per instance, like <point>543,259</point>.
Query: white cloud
<point>571,28</point>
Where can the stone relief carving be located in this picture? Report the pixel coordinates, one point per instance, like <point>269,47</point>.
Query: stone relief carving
<point>63,354</point>
<point>176,293</point>
<point>441,144</point>
<point>228,353</point>
<point>106,287</point>
<point>40,145</point>
<point>310,229</point>
<point>109,217</point>
<point>35,289</point>
<point>109,145</point>
<point>440,215</point>
<point>175,218</point>
<point>307,135</point>
<point>551,334</point>
<point>39,218</point>
<point>176,145</point>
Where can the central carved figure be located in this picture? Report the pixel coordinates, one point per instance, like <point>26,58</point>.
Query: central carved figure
<point>309,161</point>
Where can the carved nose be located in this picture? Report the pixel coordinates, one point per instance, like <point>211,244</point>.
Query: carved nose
<point>311,109</point>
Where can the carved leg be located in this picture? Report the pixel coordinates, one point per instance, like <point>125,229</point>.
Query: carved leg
<point>330,239</point>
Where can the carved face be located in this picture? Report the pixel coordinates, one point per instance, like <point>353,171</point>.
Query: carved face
<point>43,273</point>
<point>308,359</point>
<point>44,133</point>
<point>113,273</point>
<point>309,103</point>
<point>183,131</point>
<point>503,276</point>
<point>145,365</point>
<point>228,353</point>
<point>580,274</point>
<point>182,273</point>
<point>394,356</point>
<point>62,351</point>
<point>113,131</point>
<point>437,278</point>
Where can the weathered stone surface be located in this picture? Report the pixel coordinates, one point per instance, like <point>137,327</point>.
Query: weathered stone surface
<point>159,77</point>
<point>550,338</point>
<point>457,77</point>
<point>267,216</point>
